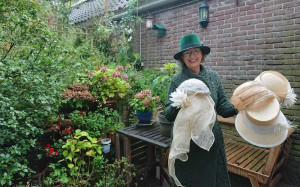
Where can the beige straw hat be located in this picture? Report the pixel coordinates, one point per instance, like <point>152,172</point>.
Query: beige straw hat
<point>250,95</point>
<point>264,125</point>
<point>279,85</point>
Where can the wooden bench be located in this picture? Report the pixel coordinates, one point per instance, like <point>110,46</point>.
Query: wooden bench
<point>260,165</point>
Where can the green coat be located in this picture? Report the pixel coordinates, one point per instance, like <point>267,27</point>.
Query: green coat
<point>203,168</point>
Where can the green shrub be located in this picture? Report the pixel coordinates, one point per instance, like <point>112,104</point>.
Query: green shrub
<point>36,63</point>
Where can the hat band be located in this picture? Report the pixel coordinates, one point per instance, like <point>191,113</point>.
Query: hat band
<point>191,46</point>
<point>259,128</point>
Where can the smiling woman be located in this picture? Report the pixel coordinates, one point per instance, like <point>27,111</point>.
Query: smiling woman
<point>202,167</point>
<point>192,59</point>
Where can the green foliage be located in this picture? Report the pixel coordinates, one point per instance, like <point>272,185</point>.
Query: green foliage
<point>76,166</point>
<point>161,83</point>
<point>97,123</point>
<point>36,63</point>
<point>109,84</point>
<point>114,174</point>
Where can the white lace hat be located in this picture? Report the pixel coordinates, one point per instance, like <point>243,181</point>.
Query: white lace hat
<point>194,121</point>
<point>264,125</point>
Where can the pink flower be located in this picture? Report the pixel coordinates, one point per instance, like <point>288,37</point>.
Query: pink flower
<point>58,127</point>
<point>139,96</point>
<point>105,79</point>
<point>58,121</point>
<point>51,151</point>
<point>120,68</point>
<point>146,93</point>
<point>47,155</point>
<point>52,128</point>
<point>47,147</point>
<point>104,69</point>
<point>146,102</point>
<point>56,153</point>
<point>156,98</point>
<point>125,76</point>
<point>116,74</point>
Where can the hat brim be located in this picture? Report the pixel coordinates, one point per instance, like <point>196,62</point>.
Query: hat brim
<point>259,139</point>
<point>204,49</point>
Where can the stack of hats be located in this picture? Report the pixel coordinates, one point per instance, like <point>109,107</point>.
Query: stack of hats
<point>260,120</point>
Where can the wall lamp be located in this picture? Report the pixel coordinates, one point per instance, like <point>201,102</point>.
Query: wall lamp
<point>203,14</point>
<point>149,22</point>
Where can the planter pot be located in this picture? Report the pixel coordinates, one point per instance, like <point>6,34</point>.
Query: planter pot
<point>144,116</point>
<point>105,142</point>
<point>165,125</point>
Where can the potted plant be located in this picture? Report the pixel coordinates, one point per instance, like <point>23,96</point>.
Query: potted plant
<point>109,84</point>
<point>144,104</point>
<point>77,97</point>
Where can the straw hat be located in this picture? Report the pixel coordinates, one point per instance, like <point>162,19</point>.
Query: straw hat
<point>263,126</point>
<point>279,85</point>
<point>250,95</point>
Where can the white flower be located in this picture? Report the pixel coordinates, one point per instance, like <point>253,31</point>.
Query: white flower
<point>178,97</point>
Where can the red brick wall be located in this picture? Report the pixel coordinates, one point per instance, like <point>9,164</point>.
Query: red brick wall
<point>245,39</point>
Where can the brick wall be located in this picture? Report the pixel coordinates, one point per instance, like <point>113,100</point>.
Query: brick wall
<point>246,37</point>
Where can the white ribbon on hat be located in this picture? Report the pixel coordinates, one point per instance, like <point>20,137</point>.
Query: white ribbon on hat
<point>281,122</point>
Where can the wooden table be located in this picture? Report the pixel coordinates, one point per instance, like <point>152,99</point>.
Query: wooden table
<point>139,147</point>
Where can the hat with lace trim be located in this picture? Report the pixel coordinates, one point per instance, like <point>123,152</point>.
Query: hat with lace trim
<point>194,121</point>
<point>279,85</point>
<point>264,125</point>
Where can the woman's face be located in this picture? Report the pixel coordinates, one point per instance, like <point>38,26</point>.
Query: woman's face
<point>192,59</point>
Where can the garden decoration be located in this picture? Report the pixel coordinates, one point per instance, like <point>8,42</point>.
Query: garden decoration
<point>144,104</point>
<point>109,84</point>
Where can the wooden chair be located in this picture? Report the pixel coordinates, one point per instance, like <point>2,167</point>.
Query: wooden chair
<point>260,165</point>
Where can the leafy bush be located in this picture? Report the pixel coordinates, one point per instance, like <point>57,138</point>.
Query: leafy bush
<point>97,123</point>
<point>161,83</point>
<point>36,63</point>
<point>109,84</point>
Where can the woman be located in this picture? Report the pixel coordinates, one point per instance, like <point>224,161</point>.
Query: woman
<point>203,168</point>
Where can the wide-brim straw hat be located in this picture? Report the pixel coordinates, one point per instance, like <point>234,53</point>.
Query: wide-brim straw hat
<point>263,126</point>
<point>279,85</point>
<point>191,41</point>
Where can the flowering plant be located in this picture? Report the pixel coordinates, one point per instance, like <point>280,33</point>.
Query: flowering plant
<point>144,101</point>
<point>109,84</point>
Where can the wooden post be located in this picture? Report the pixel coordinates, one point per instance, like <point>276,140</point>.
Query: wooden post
<point>127,153</point>
<point>150,161</point>
<point>118,151</point>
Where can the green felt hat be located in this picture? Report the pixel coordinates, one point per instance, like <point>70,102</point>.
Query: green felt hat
<point>191,41</point>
